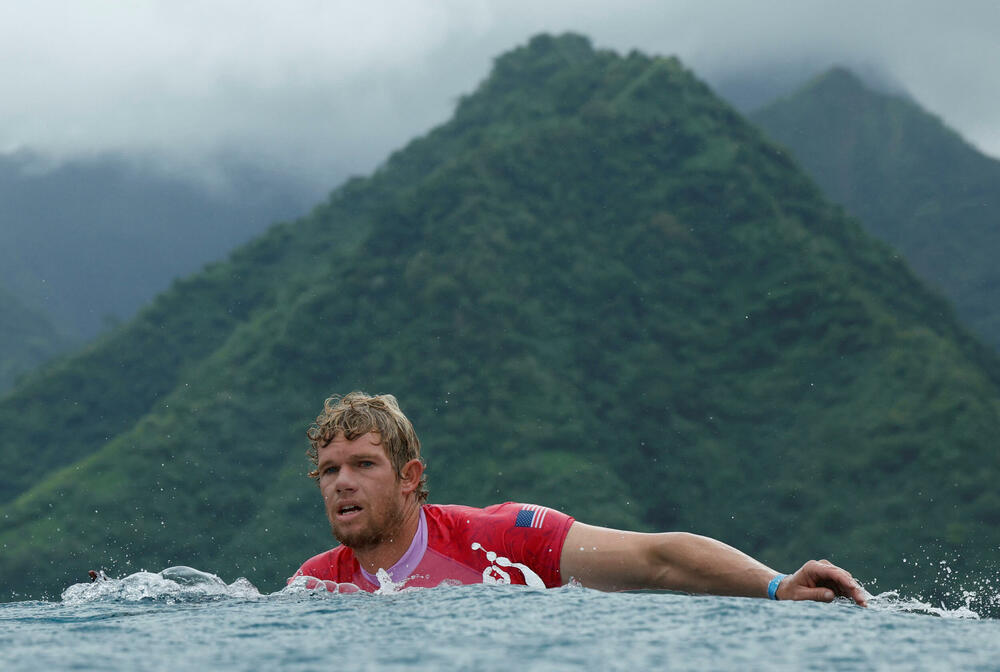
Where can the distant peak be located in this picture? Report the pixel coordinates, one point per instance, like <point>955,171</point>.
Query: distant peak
<point>569,47</point>
<point>521,79</point>
<point>838,78</point>
<point>568,44</point>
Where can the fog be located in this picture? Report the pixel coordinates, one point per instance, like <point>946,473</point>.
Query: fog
<point>320,90</point>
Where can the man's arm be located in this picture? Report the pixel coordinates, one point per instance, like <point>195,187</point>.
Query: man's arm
<point>617,560</point>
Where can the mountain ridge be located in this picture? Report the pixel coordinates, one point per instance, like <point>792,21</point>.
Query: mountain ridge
<point>910,179</point>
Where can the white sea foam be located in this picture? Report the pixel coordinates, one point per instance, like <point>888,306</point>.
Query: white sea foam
<point>891,601</point>
<point>970,593</point>
<point>186,584</point>
<point>301,585</point>
<point>172,584</point>
<point>386,585</point>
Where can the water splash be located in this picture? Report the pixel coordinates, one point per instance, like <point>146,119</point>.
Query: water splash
<point>948,588</point>
<point>386,586</point>
<point>173,584</point>
<point>892,602</point>
<point>301,585</point>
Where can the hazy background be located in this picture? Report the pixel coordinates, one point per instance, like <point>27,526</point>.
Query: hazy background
<point>320,90</point>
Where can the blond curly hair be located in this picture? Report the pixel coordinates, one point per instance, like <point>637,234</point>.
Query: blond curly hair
<point>357,414</point>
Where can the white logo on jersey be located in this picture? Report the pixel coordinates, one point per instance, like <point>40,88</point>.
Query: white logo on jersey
<point>493,575</point>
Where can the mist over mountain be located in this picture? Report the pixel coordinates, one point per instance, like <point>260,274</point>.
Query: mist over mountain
<point>88,243</point>
<point>596,287</point>
<point>910,179</point>
<point>27,339</point>
<point>754,86</point>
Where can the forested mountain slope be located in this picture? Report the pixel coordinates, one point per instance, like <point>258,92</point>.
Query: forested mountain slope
<point>26,339</point>
<point>596,287</point>
<point>911,180</point>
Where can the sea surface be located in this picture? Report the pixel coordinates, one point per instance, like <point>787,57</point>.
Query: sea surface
<point>183,619</point>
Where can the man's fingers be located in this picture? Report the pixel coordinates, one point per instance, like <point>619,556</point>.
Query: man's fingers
<point>824,571</point>
<point>840,580</point>
<point>855,592</point>
<point>814,594</point>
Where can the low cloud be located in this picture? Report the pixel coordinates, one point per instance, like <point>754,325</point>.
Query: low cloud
<point>324,89</point>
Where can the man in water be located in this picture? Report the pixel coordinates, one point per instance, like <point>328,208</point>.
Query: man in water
<point>371,477</point>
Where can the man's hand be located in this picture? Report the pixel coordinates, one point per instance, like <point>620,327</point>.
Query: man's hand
<point>822,581</point>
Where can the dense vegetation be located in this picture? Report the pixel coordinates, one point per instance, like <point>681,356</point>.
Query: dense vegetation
<point>911,180</point>
<point>26,339</point>
<point>596,287</point>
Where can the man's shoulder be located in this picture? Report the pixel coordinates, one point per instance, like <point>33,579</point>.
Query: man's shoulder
<point>512,532</point>
<point>456,518</point>
<point>460,512</point>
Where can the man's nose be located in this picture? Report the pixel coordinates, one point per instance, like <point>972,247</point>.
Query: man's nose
<point>345,480</point>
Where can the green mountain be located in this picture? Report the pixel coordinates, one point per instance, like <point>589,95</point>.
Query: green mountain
<point>911,180</point>
<point>26,340</point>
<point>90,242</point>
<point>596,287</point>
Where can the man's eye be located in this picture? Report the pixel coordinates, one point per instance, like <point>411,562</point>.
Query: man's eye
<point>330,470</point>
<point>366,463</point>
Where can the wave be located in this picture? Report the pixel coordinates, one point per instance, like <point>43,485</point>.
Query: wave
<point>891,601</point>
<point>187,584</point>
<point>173,584</point>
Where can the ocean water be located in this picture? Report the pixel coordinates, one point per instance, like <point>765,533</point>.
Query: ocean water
<point>182,619</point>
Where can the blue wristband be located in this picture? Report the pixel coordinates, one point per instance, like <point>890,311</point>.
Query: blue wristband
<point>772,588</point>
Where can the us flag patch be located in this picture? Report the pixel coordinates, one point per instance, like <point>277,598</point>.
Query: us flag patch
<point>530,515</point>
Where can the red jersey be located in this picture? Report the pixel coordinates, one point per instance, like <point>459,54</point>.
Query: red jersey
<point>505,543</point>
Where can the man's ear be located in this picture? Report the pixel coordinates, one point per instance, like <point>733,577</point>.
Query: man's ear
<point>410,475</point>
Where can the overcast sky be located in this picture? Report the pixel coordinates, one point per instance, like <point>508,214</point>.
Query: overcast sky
<point>323,88</point>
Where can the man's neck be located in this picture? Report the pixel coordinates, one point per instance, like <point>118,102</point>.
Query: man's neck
<point>388,553</point>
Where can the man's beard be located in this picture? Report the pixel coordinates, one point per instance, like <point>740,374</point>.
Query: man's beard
<point>375,533</point>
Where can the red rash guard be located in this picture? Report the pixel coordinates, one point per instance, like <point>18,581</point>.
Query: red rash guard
<point>505,543</point>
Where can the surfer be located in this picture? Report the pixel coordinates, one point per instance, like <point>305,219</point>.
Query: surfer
<point>371,477</point>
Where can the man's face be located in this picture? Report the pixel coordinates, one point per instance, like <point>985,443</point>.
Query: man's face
<point>361,491</point>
